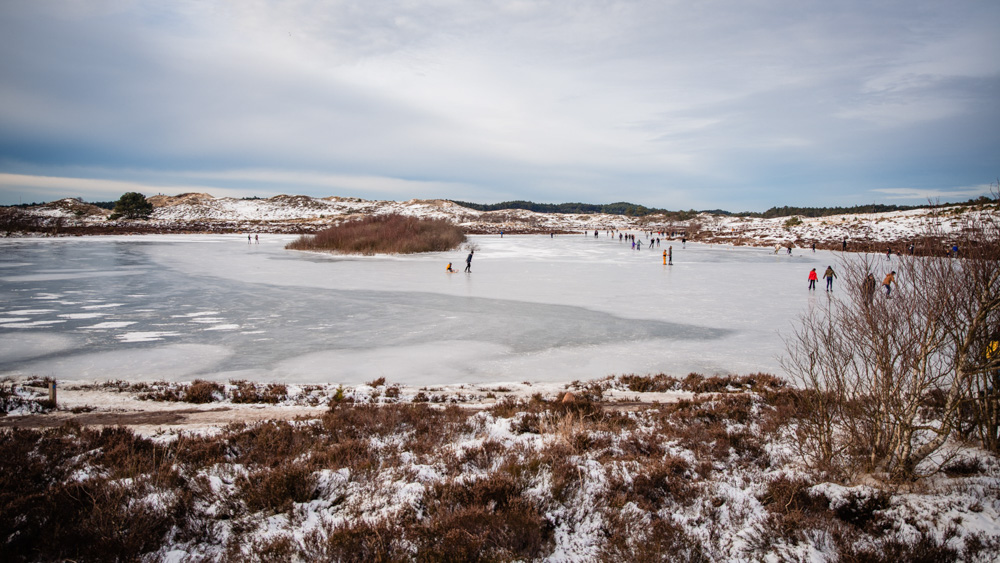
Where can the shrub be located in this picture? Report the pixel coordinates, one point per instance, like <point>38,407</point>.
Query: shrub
<point>248,392</point>
<point>276,489</point>
<point>202,391</point>
<point>385,234</point>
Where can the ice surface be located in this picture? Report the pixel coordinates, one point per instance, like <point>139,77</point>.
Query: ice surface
<point>534,308</point>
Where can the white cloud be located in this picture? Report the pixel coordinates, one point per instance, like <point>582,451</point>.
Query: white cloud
<point>514,99</point>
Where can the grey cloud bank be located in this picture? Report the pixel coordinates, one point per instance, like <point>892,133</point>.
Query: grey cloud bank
<point>668,104</point>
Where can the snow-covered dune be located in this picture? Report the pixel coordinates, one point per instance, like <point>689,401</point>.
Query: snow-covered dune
<point>202,212</point>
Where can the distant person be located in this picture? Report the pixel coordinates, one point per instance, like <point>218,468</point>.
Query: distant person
<point>954,250</point>
<point>887,283</point>
<point>777,248</point>
<point>468,261</point>
<point>843,245</point>
<point>501,233</point>
<point>256,239</point>
<point>684,242</point>
<point>812,279</point>
<point>670,256</point>
<point>789,250</point>
<point>888,253</point>
<point>829,274</point>
<point>249,240</point>
<point>868,287</point>
<point>911,249</point>
<point>450,269</point>
<point>814,247</point>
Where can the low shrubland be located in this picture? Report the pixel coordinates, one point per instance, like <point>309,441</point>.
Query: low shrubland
<point>384,234</point>
<point>714,477</point>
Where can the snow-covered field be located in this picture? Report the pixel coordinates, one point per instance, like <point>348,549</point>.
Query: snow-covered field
<point>284,213</point>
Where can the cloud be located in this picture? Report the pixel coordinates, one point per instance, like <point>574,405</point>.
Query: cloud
<point>717,103</point>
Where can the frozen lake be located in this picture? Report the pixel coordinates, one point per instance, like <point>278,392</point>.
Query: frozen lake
<point>534,308</point>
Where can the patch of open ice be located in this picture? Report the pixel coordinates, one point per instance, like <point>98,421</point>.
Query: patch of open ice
<point>192,315</point>
<point>170,362</point>
<point>69,276</point>
<point>109,324</point>
<point>82,315</point>
<point>13,319</point>
<point>103,306</point>
<point>30,312</point>
<point>223,327</point>
<point>146,336</point>
<point>439,361</point>
<point>33,324</point>
<point>18,347</point>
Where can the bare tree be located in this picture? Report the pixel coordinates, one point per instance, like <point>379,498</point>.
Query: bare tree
<point>868,362</point>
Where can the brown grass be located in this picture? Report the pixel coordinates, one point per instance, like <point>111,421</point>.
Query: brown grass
<point>384,234</point>
<point>81,494</point>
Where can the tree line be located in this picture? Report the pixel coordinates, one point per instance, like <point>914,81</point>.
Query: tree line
<point>637,210</point>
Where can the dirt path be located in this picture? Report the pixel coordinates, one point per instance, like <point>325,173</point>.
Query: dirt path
<point>154,420</point>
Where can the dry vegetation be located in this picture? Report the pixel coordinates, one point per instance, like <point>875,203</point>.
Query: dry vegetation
<point>714,478</point>
<point>384,234</point>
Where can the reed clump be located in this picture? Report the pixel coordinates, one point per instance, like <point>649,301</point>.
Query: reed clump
<point>384,234</point>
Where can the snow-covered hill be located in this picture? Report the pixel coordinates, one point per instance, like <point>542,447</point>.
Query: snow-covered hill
<point>296,213</point>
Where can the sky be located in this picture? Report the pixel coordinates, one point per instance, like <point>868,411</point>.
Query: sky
<point>691,104</point>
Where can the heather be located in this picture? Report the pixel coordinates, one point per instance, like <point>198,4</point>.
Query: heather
<point>384,234</point>
<point>600,474</point>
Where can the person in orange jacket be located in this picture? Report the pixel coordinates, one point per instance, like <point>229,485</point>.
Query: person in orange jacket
<point>888,281</point>
<point>812,279</point>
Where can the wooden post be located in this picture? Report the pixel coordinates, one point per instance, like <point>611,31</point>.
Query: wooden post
<point>52,392</point>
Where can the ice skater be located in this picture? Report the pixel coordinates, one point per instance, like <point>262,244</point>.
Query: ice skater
<point>468,261</point>
<point>829,274</point>
<point>887,283</point>
<point>449,269</point>
<point>812,279</point>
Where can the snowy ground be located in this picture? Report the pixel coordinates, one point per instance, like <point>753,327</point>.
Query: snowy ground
<point>284,213</point>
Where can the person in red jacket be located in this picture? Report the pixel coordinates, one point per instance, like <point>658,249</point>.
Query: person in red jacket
<point>812,278</point>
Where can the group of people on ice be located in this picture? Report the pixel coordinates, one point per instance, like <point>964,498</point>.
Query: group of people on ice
<point>868,286</point>
<point>829,274</point>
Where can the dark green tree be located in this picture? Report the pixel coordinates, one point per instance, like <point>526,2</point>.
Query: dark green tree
<point>132,205</point>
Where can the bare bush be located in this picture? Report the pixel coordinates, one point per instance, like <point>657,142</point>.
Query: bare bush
<point>385,234</point>
<point>868,362</point>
